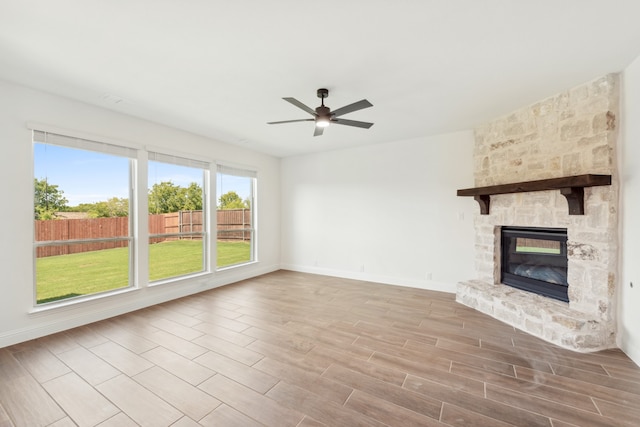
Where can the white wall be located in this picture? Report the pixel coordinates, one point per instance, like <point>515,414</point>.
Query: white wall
<point>386,213</point>
<point>629,167</point>
<point>19,105</point>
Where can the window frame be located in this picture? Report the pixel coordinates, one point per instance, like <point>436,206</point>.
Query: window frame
<point>71,140</point>
<point>247,172</point>
<point>161,155</point>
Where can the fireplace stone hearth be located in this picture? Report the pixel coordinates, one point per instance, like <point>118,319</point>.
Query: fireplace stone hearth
<point>572,133</point>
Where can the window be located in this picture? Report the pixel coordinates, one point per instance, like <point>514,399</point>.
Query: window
<point>83,229</point>
<point>235,216</point>
<point>177,216</point>
<point>95,201</point>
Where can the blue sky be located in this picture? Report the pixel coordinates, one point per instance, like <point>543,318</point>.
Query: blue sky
<point>89,177</point>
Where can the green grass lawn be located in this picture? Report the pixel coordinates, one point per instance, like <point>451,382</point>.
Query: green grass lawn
<point>67,276</point>
<point>532,250</point>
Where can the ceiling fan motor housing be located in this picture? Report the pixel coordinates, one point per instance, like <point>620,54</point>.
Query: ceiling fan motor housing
<point>323,111</point>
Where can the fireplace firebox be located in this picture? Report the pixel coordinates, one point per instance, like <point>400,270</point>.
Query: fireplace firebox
<point>535,260</point>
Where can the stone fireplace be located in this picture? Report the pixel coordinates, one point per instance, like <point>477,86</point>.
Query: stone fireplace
<point>572,133</point>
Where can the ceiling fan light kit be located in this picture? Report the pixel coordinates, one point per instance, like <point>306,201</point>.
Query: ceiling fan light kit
<point>323,116</point>
<point>322,122</point>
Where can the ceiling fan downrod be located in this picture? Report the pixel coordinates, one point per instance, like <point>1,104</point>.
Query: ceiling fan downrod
<point>323,114</point>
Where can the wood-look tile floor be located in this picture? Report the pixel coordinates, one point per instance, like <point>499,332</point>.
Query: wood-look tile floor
<point>292,349</point>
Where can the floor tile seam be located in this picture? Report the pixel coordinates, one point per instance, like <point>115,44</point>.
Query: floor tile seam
<point>596,406</point>
<point>387,353</point>
<point>53,399</point>
<point>192,360</point>
<point>176,335</point>
<point>411,362</point>
<point>448,386</point>
<point>441,412</point>
<point>386,384</point>
<point>450,357</point>
<point>166,401</point>
<point>617,381</point>
<point>629,377</point>
<point>81,376</point>
<point>590,358</point>
<point>136,334</point>
<point>286,335</point>
<point>560,390</point>
<point>4,411</point>
<point>231,358</point>
<point>570,422</point>
<point>344,406</point>
<point>595,412</point>
<point>404,408</point>
<point>569,362</point>
<point>115,367</point>
<point>404,380</point>
<point>31,374</point>
<point>94,388</point>
<point>590,385</point>
<point>122,410</point>
<point>264,395</point>
<point>494,359</point>
<point>220,325</point>
<point>483,415</point>
<point>633,409</point>
<point>487,371</point>
<point>14,421</point>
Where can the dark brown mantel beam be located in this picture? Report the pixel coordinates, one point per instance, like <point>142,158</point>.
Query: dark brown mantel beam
<point>571,187</point>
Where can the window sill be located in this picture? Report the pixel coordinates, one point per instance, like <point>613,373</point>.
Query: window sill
<point>234,266</point>
<point>180,279</point>
<point>75,302</point>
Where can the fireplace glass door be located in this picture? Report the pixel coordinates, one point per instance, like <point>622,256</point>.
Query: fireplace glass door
<point>535,260</point>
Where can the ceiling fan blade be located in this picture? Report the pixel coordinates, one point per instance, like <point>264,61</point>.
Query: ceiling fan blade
<point>290,121</point>
<point>300,105</point>
<point>352,107</point>
<point>318,131</point>
<point>355,123</point>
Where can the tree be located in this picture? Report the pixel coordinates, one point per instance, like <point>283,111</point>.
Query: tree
<point>113,207</point>
<point>167,197</point>
<point>48,199</point>
<point>193,198</point>
<point>231,200</point>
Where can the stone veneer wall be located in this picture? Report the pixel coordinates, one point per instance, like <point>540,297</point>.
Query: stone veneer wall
<point>572,133</point>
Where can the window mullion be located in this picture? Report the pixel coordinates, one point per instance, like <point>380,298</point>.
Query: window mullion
<point>141,224</point>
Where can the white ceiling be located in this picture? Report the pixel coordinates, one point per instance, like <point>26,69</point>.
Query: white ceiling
<point>219,68</point>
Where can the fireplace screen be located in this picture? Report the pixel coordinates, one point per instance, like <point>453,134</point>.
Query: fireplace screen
<point>535,260</point>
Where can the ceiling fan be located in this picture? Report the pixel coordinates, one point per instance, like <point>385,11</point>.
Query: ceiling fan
<point>323,116</point>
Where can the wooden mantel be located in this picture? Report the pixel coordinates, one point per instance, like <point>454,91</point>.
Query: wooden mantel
<point>571,187</point>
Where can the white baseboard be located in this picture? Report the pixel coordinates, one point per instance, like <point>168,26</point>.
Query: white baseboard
<point>50,322</point>
<point>430,285</point>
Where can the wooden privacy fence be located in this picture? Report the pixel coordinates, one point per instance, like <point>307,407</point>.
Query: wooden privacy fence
<point>232,225</point>
<point>174,223</point>
<point>76,229</point>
